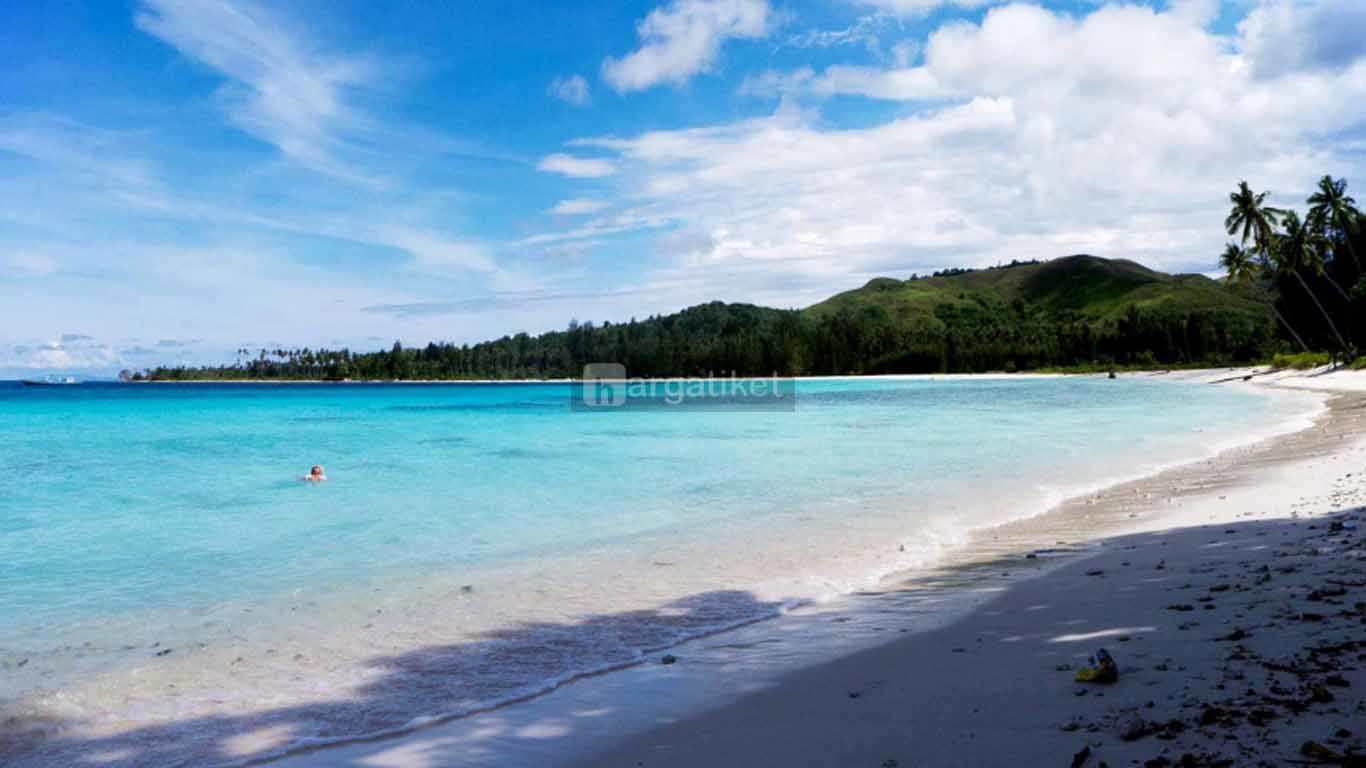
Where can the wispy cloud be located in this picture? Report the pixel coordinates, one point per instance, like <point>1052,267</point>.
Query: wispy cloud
<point>438,251</point>
<point>74,355</point>
<point>683,39</point>
<point>922,7</point>
<point>490,302</point>
<point>92,155</point>
<point>572,90</point>
<point>281,87</point>
<point>26,264</point>
<point>865,31</point>
<point>578,206</point>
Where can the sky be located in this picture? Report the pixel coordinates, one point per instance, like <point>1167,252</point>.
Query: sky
<point>183,178</point>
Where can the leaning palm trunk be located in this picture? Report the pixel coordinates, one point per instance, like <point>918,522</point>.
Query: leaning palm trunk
<point>1351,249</point>
<point>1261,288</point>
<point>1336,287</point>
<point>1303,347</point>
<point>1327,317</point>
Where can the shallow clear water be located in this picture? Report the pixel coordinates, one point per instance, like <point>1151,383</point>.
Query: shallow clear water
<point>129,513</point>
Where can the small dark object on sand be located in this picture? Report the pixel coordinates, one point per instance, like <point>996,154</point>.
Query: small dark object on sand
<point>164,652</point>
<point>1332,591</point>
<point>1079,759</point>
<point>668,658</point>
<point>1320,752</point>
<point>1212,715</point>
<point>1102,670</point>
<point>1095,572</point>
<point>1133,729</point>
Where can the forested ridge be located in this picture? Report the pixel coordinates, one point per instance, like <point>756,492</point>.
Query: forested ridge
<point>1078,310</point>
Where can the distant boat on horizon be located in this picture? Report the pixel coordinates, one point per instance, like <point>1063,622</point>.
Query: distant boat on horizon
<point>50,381</point>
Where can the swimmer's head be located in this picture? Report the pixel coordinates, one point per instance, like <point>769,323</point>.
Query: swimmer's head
<point>317,470</point>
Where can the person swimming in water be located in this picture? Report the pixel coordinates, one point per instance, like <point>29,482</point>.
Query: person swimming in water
<point>316,474</point>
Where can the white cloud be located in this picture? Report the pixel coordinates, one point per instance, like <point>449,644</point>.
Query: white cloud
<point>578,206</point>
<point>1118,132</point>
<point>573,90</point>
<point>281,88</point>
<point>1282,36</point>
<point>577,167</point>
<point>683,39</point>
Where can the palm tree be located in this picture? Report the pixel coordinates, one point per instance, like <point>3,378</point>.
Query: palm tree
<point>1322,242</point>
<point>1296,250</point>
<point>1333,204</point>
<point>1243,269</point>
<point>1253,216</point>
<point>1239,264</point>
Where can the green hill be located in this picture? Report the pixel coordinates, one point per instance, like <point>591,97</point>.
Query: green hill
<point>1090,286</point>
<point>1073,311</point>
<point>1076,310</point>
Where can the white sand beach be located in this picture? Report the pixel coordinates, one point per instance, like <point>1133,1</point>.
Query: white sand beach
<point>1230,593</point>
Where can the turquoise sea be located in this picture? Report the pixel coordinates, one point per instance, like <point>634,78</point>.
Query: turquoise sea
<point>168,581</point>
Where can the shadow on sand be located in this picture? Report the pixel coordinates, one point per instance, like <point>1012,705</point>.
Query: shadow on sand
<point>439,681</point>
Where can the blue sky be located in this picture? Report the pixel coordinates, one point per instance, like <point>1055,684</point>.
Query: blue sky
<point>180,178</point>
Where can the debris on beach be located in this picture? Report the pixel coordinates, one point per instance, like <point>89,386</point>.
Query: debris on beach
<point>1102,669</point>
